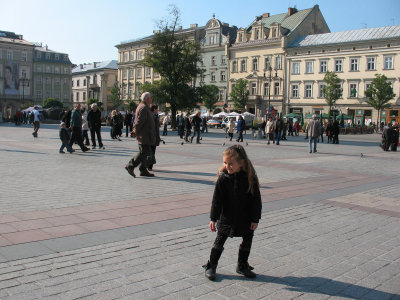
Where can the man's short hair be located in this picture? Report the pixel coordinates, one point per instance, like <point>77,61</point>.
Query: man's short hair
<point>154,107</point>
<point>145,95</point>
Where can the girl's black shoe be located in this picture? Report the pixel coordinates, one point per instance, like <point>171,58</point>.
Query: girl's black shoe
<point>210,271</point>
<point>246,270</point>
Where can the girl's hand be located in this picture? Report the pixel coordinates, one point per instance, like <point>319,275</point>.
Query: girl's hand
<point>212,226</point>
<point>253,226</point>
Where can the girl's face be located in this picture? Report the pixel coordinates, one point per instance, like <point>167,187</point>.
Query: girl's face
<point>232,165</point>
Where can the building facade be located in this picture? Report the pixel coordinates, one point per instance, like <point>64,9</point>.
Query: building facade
<point>218,38</point>
<point>355,56</point>
<point>132,73</point>
<point>259,55</point>
<point>52,75</point>
<point>16,72</point>
<point>94,80</point>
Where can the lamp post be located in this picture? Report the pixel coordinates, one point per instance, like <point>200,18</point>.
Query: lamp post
<point>25,82</point>
<point>269,86</point>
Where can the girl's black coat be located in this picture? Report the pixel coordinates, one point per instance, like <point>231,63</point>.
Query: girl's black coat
<point>232,204</point>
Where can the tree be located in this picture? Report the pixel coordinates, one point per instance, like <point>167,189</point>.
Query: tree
<point>209,95</point>
<point>116,96</point>
<point>52,102</point>
<point>131,105</point>
<point>379,93</point>
<point>240,94</point>
<point>176,59</point>
<point>332,90</point>
<point>94,100</point>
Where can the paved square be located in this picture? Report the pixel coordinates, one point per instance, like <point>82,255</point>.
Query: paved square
<point>78,226</point>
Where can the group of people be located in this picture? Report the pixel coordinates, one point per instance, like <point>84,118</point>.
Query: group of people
<point>186,124</point>
<point>390,137</point>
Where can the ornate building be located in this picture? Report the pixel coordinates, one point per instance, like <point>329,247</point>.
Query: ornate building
<point>258,54</point>
<point>355,56</point>
<point>52,75</point>
<point>16,66</point>
<point>94,80</point>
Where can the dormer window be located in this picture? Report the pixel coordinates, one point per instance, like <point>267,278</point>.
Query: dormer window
<point>240,37</point>
<point>257,34</point>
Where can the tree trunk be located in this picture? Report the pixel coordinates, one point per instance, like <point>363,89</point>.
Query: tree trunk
<point>378,125</point>
<point>173,116</point>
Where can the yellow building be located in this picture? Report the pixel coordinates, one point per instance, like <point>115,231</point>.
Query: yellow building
<point>355,56</point>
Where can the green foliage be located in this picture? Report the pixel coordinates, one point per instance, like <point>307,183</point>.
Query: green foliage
<point>176,60</point>
<point>94,100</point>
<point>379,93</point>
<point>26,105</point>
<point>131,105</point>
<point>332,90</point>
<point>116,96</point>
<point>52,102</point>
<point>208,94</point>
<point>240,94</point>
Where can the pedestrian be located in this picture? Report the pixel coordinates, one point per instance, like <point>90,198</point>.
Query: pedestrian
<point>154,109</point>
<point>284,130</point>
<point>144,129</point>
<point>387,136</point>
<point>395,137</point>
<point>278,129</point>
<point>336,131</point>
<point>240,128</point>
<point>36,121</point>
<point>85,128</point>
<point>188,127</point>
<point>322,131</point>
<point>94,121</point>
<point>128,123</point>
<point>313,132</point>
<point>165,122</point>
<point>181,125</point>
<point>196,122</point>
<point>290,128</point>
<point>235,209</point>
<point>231,128</point>
<point>76,128</point>
<point>270,129</point>
<point>65,137</point>
<point>329,131</point>
<point>297,128</point>
<point>114,125</point>
<point>204,127</point>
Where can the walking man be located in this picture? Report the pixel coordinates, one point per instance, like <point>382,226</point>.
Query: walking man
<point>196,121</point>
<point>128,122</point>
<point>94,120</point>
<point>313,132</point>
<point>144,129</point>
<point>76,127</point>
<point>36,121</point>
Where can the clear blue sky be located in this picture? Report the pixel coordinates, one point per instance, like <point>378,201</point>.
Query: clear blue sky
<point>88,30</point>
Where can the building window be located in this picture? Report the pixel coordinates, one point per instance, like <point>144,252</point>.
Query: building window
<point>234,66</point>
<point>278,62</point>
<point>223,60</point>
<point>48,69</point>
<point>338,65</point>
<point>125,57</point>
<point>370,63</point>
<point>77,96</point>
<point>308,91</point>
<point>240,37</point>
<point>84,82</point>
<point>9,55</point>
<point>57,70</point>
<point>212,76</point>
<point>221,94</point>
<point>296,68</point>
<point>72,83</point>
<point>323,66</point>
<point>295,91</point>
<point>130,91</point>
<point>155,74</point>
<point>38,55</point>
<point>48,56</point>
<point>267,62</point>
<point>213,60</point>
<point>131,73</point>
<point>255,64</point>
<point>66,70</point>
<point>354,64</point>
<point>276,88</point>
<point>309,67</point>
<point>57,56</point>
<point>388,63</point>
<point>24,56</point>
<point>77,82</point>
<point>266,88</point>
<point>213,39</point>
<point>321,91</point>
<point>65,57</point>
<point>124,74</point>
<point>84,96</point>
<point>253,88</point>
<point>223,76</point>
<point>243,65</point>
<point>353,90</point>
<point>39,80</point>
<point>131,55</point>
<point>57,80</point>
<point>139,72</point>
<point>139,55</point>
<point>148,72</point>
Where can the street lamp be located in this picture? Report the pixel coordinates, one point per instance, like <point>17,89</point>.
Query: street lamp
<point>25,82</point>
<point>269,86</point>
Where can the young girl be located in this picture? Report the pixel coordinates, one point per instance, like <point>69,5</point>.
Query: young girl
<point>236,207</point>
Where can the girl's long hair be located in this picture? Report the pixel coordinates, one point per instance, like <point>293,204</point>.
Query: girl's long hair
<point>238,153</point>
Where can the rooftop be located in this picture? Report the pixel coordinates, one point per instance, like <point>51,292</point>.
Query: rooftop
<point>108,64</point>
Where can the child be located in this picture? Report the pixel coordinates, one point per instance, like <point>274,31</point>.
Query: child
<point>64,137</point>
<point>231,128</point>
<point>236,207</point>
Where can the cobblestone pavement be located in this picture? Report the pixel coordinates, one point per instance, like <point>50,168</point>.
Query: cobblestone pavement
<point>78,226</point>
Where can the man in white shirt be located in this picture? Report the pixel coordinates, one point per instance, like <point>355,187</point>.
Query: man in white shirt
<point>36,121</point>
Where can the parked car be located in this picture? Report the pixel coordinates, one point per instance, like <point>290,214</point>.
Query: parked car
<point>214,123</point>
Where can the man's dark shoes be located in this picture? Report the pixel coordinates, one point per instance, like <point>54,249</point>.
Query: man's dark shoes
<point>146,174</point>
<point>85,149</point>
<point>130,171</point>
<point>246,270</point>
<point>210,271</point>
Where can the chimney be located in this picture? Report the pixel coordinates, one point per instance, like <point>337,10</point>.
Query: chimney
<point>292,11</point>
<point>179,27</point>
<point>94,64</point>
<point>193,25</point>
<point>266,15</point>
<point>225,24</point>
<point>20,36</point>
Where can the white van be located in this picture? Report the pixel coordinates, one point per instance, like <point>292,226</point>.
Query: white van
<point>247,119</point>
